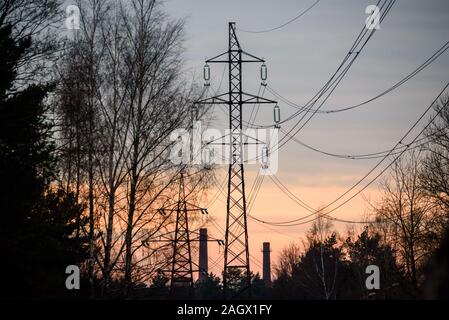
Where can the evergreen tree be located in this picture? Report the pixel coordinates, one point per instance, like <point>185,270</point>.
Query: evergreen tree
<point>38,221</point>
<point>209,289</point>
<point>368,250</point>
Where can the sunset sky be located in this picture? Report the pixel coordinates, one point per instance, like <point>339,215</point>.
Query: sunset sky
<point>300,57</point>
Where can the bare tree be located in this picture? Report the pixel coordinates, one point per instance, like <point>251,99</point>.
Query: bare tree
<point>79,118</point>
<point>289,259</point>
<point>123,73</point>
<point>410,212</point>
<point>311,273</point>
<point>156,107</point>
<point>320,230</point>
<point>434,176</point>
<point>321,260</point>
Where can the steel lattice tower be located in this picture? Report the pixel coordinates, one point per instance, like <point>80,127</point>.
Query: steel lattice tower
<point>181,271</point>
<point>181,266</point>
<point>236,253</point>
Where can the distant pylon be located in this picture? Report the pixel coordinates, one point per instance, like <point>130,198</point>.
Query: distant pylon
<point>181,271</point>
<point>236,254</point>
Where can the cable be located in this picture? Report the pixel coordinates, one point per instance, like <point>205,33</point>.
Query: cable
<point>304,205</point>
<point>256,261</point>
<point>367,156</point>
<point>255,219</point>
<point>334,80</point>
<point>251,120</point>
<point>218,89</point>
<point>250,208</point>
<point>217,194</point>
<point>284,24</point>
<point>271,229</point>
<point>254,105</point>
<point>332,84</point>
<point>292,222</point>
<point>424,65</point>
<point>256,192</point>
<point>292,196</point>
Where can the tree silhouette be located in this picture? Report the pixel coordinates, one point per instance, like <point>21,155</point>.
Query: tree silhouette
<point>37,233</point>
<point>209,289</point>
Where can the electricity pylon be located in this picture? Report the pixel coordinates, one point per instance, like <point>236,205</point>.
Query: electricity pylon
<point>181,270</point>
<point>236,254</point>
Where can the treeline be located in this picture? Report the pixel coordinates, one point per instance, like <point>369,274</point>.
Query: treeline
<point>85,122</point>
<point>405,234</point>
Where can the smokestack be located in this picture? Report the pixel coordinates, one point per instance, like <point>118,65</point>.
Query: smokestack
<point>266,265</point>
<point>203,264</point>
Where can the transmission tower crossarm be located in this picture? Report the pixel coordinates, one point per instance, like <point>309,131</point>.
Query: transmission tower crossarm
<point>219,58</point>
<point>248,98</point>
<point>215,100</point>
<point>255,59</point>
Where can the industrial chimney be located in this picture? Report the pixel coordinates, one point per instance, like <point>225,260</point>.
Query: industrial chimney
<point>203,255</point>
<point>266,265</point>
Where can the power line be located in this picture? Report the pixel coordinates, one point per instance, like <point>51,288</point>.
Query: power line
<point>325,92</point>
<point>292,222</point>
<point>304,205</point>
<point>251,204</point>
<point>221,230</point>
<point>217,194</point>
<point>330,86</point>
<point>251,119</point>
<point>284,24</point>
<point>424,65</point>
<point>368,156</point>
<point>335,80</point>
<point>338,76</point>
